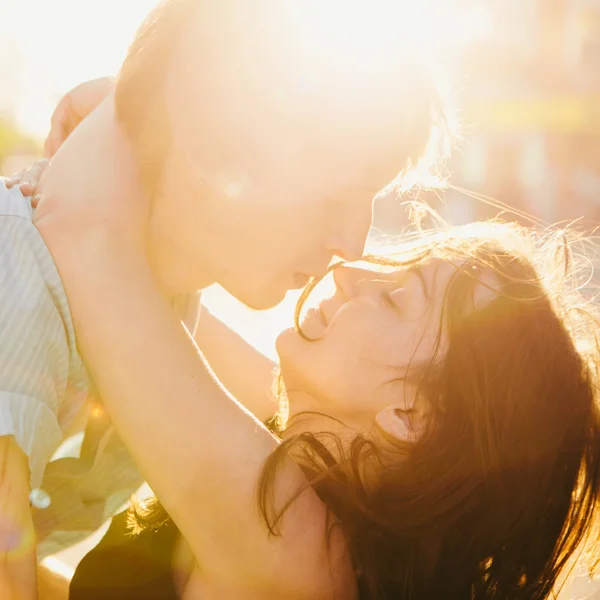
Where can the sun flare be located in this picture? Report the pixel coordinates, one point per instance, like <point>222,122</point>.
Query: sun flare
<point>366,34</point>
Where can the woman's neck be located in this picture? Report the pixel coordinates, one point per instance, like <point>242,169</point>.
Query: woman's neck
<point>301,413</point>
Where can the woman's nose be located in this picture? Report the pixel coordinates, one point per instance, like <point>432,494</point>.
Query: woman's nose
<point>347,279</point>
<point>344,283</point>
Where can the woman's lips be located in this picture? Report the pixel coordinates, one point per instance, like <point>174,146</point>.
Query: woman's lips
<point>312,324</point>
<point>315,315</point>
<point>328,308</point>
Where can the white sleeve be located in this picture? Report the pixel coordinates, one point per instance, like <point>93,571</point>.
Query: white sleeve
<point>34,351</point>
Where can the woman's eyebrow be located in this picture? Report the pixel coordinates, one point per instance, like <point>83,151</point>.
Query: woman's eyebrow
<point>414,270</point>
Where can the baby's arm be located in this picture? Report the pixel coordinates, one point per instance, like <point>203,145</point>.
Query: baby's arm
<point>34,367</point>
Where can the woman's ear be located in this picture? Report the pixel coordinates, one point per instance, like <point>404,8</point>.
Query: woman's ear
<point>401,423</point>
<point>400,419</point>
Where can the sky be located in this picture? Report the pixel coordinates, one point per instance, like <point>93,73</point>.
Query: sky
<point>49,46</point>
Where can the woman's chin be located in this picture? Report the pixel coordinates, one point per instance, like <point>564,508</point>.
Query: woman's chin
<point>285,342</point>
<point>292,349</point>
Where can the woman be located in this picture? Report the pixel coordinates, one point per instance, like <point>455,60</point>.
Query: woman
<point>443,434</point>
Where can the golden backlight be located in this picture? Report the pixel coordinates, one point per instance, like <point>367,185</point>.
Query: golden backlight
<point>363,34</point>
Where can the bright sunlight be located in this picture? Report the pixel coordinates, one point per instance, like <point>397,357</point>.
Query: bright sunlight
<point>373,32</point>
<point>525,75</point>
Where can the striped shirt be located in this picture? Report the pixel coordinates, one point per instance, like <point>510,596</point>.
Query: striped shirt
<point>46,394</point>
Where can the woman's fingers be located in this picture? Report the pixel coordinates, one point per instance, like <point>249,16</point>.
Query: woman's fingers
<point>28,179</point>
<point>14,179</point>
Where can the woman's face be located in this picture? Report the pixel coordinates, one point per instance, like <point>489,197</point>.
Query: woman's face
<point>369,337</point>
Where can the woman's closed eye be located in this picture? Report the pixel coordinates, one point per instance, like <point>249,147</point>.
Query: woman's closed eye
<point>408,297</point>
<point>395,299</point>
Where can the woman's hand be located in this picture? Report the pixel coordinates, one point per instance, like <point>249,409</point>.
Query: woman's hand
<point>29,179</point>
<point>75,106</point>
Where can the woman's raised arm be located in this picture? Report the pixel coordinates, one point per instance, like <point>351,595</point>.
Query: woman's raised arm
<point>199,449</point>
<point>246,373</point>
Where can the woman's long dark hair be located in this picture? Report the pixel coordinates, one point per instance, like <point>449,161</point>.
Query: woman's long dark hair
<point>499,494</point>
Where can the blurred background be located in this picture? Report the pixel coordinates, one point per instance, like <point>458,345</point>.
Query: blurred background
<point>525,76</point>
<point>527,87</point>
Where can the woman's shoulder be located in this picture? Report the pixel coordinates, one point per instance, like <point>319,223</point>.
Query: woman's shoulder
<point>336,579</point>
